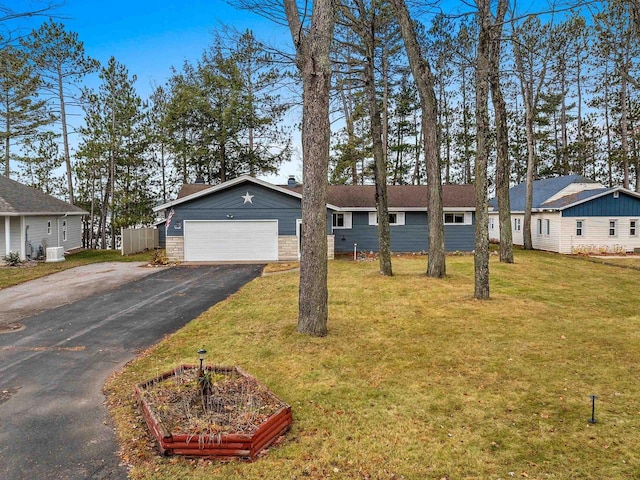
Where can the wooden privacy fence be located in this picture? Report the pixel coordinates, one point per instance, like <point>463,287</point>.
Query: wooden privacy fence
<point>136,240</point>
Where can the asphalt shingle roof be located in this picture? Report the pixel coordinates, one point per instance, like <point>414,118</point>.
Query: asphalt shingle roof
<point>575,197</point>
<point>363,196</point>
<point>191,188</point>
<point>18,199</point>
<point>542,191</point>
<point>399,196</point>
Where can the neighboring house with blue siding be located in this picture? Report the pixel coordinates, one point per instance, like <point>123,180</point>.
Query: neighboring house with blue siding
<point>573,214</point>
<point>31,221</point>
<point>246,219</point>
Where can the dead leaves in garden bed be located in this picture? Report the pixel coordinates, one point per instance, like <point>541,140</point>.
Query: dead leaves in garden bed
<point>223,403</point>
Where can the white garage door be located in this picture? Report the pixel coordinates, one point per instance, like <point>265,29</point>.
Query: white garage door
<point>232,240</point>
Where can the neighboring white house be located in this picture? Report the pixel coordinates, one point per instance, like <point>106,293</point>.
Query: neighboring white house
<point>31,221</point>
<point>572,214</point>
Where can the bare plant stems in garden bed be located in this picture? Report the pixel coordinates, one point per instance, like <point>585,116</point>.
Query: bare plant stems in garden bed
<point>223,413</point>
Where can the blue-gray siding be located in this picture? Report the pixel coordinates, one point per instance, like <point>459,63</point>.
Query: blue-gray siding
<point>267,205</point>
<point>606,206</point>
<point>413,236</point>
<point>162,236</point>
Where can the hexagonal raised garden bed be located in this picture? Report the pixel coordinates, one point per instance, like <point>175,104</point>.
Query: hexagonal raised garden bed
<point>222,412</point>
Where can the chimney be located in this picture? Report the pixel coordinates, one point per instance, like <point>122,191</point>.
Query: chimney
<point>292,181</point>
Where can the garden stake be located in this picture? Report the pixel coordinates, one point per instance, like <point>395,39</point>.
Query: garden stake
<point>593,408</point>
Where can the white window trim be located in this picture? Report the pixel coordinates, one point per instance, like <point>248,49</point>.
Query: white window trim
<point>49,227</point>
<point>491,223</point>
<point>373,218</point>
<point>635,227</point>
<point>615,228</point>
<point>547,227</point>
<point>581,234</point>
<point>539,226</point>
<point>466,221</point>
<point>348,220</point>
<point>517,224</point>
<point>64,230</point>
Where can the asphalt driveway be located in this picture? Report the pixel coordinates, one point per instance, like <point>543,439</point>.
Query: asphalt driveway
<point>53,424</point>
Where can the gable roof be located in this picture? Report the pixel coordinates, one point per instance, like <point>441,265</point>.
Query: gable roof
<point>572,200</point>
<point>193,191</point>
<point>346,197</point>
<point>399,196</point>
<point>17,199</point>
<point>543,190</point>
<point>545,193</point>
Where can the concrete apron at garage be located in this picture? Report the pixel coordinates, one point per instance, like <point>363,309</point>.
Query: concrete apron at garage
<point>54,424</point>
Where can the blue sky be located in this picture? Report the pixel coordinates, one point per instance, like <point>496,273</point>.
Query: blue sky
<point>151,37</point>
<point>148,37</point>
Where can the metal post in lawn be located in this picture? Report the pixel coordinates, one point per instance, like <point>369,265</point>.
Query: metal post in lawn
<point>593,409</point>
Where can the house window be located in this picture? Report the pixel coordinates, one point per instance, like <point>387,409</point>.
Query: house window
<point>547,227</point>
<point>613,228</point>
<point>64,230</point>
<point>458,218</point>
<point>395,218</point>
<point>633,228</point>
<point>491,223</point>
<point>341,220</point>
<point>49,227</point>
<point>539,226</point>
<point>516,224</point>
<point>579,228</point>
<point>453,218</point>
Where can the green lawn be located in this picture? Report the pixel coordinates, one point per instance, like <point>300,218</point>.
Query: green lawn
<point>630,261</point>
<point>417,380</point>
<point>10,276</point>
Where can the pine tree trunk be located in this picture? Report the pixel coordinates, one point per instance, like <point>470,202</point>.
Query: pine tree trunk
<point>436,266</point>
<point>103,213</point>
<point>7,169</point>
<point>481,257</point>
<point>7,140</point>
<point>223,163</point>
<point>624,130</point>
<point>380,164</point>
<point>503,164</point>
<point>531,162</point>
<point>312,59</point>
<point>65,138</point>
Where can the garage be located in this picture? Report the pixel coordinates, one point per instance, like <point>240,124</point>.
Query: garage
<point>230,240</point>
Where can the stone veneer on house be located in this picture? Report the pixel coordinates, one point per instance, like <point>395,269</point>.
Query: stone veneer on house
<point>175,249</point>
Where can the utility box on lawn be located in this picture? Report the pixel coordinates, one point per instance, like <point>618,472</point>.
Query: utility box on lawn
<point>55,254</point>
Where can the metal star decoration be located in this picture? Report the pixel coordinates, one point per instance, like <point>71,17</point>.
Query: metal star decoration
<point>248,198</point>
